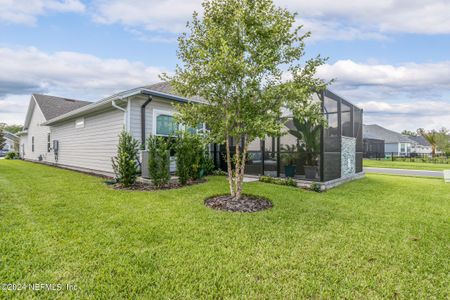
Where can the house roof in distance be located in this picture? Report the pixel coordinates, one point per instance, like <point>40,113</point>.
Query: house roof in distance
<point>390,137</point>
<point>420,140</point>
<point>53,107</point>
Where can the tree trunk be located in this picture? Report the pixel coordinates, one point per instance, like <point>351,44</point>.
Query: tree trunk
<point>230,172</point>
<point>237,164</point>
<point>240,174</point>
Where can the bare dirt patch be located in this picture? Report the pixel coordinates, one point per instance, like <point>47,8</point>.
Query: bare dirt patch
<point>248,203</point>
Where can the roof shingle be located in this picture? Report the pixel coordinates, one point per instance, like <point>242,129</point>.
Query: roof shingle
<point>53,107</point>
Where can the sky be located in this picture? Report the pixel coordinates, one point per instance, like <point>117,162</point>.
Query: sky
<point>390,57</point>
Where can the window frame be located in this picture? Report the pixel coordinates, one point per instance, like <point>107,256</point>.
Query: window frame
<point>49,148</point>
<point>158,112</point>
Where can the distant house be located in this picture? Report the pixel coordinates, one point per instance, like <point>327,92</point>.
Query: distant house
<point>422,146</point>
<point>11,142</point>
<point>394,143</point>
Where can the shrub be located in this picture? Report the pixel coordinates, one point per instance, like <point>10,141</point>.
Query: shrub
<point>315,187</point>
<point>12,155</point>
<point>125,163</point>
<point>279,181</point>
<point>190,154</point>
<point>158,160</point>
<point>219,173</point>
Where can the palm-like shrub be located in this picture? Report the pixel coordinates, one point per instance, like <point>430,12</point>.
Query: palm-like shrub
<point>308,132</point>
<point>159,160</point>
<point>125,163</point>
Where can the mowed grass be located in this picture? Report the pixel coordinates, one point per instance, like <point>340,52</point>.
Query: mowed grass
<point>379,237</point>
<point>405,165</point>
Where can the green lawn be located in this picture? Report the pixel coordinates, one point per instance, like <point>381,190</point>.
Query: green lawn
<point>405,165</point>
<point>379,237</point>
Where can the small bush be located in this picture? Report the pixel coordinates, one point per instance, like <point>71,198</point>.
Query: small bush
<point>190,154</point>
<point>125,163</point>
<point>315,187</point>
<point>219,173</point>
<point>12,155</point>
<point>159,160</point>
<point>279,181</point>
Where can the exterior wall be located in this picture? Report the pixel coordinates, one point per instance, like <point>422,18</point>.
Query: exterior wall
<point>389,148</point>
<point>92,146</point>
<point>40,137</point>
<point>135,114</point>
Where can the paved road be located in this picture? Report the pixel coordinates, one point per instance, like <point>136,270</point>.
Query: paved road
<point>405,172</point>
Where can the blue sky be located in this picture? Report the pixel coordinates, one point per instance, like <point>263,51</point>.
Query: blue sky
<point>390,57</point>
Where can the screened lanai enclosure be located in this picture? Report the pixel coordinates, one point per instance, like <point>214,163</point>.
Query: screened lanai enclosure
<point>306,152</point>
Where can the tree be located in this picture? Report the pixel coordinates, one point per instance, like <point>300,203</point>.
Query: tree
<point>431,137</point>
<point>233,57</point>
<point>409,133</point>
<point>125,163</point>
<point>443,140</point>
<point>2,139</point>
<point>308,132</point>
<point>15,128</point>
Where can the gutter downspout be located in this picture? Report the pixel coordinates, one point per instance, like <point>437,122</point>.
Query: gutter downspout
<point>113,103</point>
<point>150,98</point>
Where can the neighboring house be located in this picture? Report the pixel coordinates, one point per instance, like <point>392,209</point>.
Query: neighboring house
<point>422,146</point>
<point>84,135</point>
<point>394,142</point>
<point>373,148</point>
<point>11,142</point>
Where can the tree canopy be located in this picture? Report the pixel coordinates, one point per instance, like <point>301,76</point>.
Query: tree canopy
<point>236,57</point>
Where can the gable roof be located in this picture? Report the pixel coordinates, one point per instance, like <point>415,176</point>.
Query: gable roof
<point>53,107</point>
<point>162,90</point>
<point>390,137</point>
<point>166,88</point>
<point>10,135</point>
<point>420,140</point>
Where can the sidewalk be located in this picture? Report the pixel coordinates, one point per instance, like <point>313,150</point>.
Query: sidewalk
<point>404,172</point>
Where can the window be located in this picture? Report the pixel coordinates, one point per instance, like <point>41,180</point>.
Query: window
<point>48,142</point>
<point>403,148</point>
<point>32,144</point>
<point>346,120</point>
<point>79,123</point>
<point>164,123</point>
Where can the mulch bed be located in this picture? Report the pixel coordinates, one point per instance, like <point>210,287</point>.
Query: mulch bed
<point>139,186</point>
<point>247,203</point>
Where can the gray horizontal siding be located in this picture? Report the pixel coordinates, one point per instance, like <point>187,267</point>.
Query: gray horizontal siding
<point>135,114</point>
<point>93,146</point>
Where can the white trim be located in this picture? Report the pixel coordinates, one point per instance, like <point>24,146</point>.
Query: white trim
<point>156,113</point>
<point>79,122</point>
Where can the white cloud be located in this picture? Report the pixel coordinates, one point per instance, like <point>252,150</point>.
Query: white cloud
<point>164,15</point>
<point>412,115</point>
<point>26,11</point>
<point>69,74</point>
<point>406,96</point>
<point>336,20</point>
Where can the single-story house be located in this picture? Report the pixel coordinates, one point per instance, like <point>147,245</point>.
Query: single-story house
<point>11,142</point>
<point>84,135</point>
<point>394,143</point>
<point>422,146</point>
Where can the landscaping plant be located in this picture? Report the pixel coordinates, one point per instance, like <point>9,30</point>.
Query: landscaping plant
<point>190,152</point>
<point>125,163</point>
<point>12,155</point>
<point>2,138</point>
<point>159,160</point>
<point>234,57</point>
